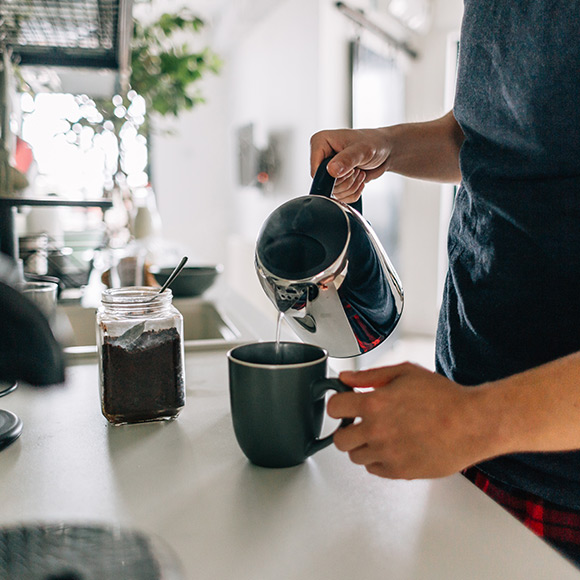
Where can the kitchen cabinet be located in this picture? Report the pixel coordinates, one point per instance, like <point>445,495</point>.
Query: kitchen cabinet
<point>8,205</point>
<point>92,35</point>
<point>89,34</point>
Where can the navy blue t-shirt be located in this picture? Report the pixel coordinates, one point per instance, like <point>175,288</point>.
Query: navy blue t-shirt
<point>512,294</point>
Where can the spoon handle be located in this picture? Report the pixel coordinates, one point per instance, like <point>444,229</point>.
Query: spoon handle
<point>173,275</point>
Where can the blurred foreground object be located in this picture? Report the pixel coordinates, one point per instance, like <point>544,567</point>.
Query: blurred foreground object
<point>77,552</point>
<point>29,351</point>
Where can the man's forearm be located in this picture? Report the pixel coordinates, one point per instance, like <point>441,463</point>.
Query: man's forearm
<point>537,410</point>
<point>428,150</point>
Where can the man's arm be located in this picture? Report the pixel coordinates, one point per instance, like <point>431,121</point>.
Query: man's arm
<point>428,150</point>
<point>417,424</point>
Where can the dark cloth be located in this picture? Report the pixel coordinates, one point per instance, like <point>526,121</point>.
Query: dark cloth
<point>512,294</point>
<point>559,526</point>
<point>365,294</point>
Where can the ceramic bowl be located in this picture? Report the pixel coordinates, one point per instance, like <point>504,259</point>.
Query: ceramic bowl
<point>192,281</point>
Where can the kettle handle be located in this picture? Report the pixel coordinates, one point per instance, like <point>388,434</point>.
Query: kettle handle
<point>323,184</point>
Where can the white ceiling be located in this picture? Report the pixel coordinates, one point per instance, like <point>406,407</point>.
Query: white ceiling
<point>228,18</point>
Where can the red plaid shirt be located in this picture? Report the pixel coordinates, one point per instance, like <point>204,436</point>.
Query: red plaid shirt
<point>558,525</point>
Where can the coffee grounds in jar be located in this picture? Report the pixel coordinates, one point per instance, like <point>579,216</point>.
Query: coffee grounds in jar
<point>143,381</point>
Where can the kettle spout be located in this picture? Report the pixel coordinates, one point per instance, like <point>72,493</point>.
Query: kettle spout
<point>295,297</point>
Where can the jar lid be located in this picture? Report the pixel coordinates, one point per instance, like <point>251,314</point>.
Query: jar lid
<point>10,428</point>
<point>135,295</point>
<point>136,300</point>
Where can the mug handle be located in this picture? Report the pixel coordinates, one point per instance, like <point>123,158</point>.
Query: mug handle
<point>319,388</point>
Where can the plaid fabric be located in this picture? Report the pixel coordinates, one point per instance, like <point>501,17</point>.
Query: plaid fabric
<point>366,336</point>
<point>558,525</point>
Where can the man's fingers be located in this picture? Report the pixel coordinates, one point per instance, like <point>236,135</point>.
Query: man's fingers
<point>351,198</point>
<point>349,438</point>
<point>349,181</point>
<point>344,405</point>
<point>377,377</point>
<point>362,455</point>
<point>346,161</point>
<point>352,405</point>
<point>346,157</point>
<point>379,469</point>
<point>320,149</point>
<point>349,185</point>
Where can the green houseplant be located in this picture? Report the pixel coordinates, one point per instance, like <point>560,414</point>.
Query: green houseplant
<point>165,74</point>
<point>165,71</point>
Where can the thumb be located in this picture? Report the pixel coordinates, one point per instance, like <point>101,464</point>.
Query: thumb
<point>343,162</point>
<point>373,378</point>
<point>352,156</point>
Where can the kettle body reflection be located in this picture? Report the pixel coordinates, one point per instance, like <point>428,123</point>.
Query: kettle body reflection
<point>320,262</point>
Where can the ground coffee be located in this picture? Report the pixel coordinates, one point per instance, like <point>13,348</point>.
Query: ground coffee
<point>143,380</point>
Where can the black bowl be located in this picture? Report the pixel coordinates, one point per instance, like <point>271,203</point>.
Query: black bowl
<point>192,281</point>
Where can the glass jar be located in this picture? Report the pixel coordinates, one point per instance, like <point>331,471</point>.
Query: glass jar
<point>141,355</point>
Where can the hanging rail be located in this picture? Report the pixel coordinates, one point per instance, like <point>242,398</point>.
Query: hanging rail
<point>359,17</point>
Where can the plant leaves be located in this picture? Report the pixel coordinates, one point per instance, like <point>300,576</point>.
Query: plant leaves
<point>165,73</point>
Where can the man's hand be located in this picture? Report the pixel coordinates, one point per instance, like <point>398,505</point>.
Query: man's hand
<point>413,424</point>
<point>427,150</point>
<point>361,156</point>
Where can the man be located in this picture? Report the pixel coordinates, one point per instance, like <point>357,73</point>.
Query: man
<point>509,326</point>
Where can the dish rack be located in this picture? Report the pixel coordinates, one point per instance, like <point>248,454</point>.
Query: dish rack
<point>71,260</point>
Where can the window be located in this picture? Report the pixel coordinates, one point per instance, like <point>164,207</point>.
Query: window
<point>79,153</point>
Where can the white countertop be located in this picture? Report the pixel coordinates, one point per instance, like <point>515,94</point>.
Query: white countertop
<point>188,483</point>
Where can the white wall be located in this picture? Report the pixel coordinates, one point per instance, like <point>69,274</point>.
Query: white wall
<point>274,71</point>
<point>287,71</point>
<point>191,175</point>
<point>421,203</point>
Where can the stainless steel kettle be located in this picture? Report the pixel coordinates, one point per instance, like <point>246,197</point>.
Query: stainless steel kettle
<point>320,262</point>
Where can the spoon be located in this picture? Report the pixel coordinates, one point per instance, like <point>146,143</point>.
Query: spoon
<point>133,333</point>
<point>172,277</point>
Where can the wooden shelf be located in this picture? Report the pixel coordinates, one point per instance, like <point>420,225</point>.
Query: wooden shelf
<point>54,201</point>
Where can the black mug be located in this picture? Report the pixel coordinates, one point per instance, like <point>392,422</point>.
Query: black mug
<point>277,400</point>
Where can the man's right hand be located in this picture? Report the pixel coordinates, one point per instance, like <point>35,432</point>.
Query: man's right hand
<point>428,151</point>
<point>360,155</point>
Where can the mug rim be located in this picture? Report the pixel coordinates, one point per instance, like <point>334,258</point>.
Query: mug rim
<point>34,285</point>
<point>323,356</point>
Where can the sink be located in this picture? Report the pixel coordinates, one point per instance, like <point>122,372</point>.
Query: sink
<point>205,327</point>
